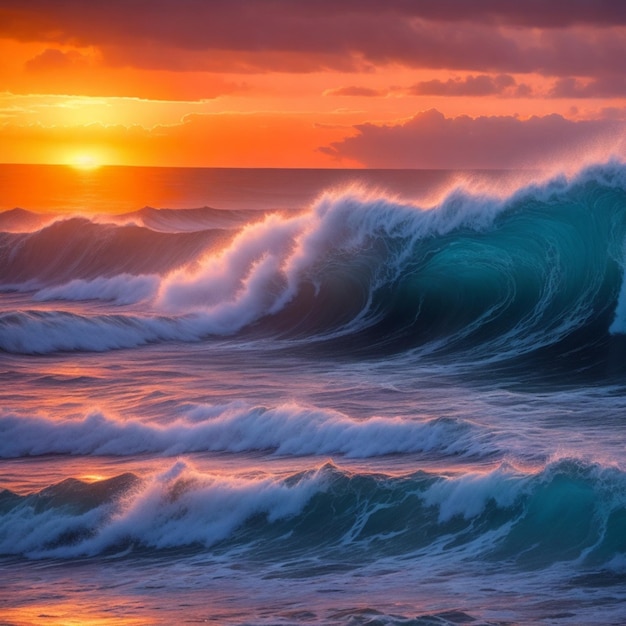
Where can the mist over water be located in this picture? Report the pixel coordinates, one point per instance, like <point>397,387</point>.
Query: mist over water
<point>327,399</point>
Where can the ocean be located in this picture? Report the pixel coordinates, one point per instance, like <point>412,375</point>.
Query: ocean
<point>273,397</point>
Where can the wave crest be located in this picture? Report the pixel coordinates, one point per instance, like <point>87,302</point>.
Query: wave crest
<point>569,511</point>
<point>237,427</point>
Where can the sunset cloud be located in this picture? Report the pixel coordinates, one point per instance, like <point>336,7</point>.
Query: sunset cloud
<point>604,87</point>
<point>52,59</point>
<point>566,38</point>
<point>364,92</point>
<point>431,140</point>
<point>332,81</point>
<point>482,85</point>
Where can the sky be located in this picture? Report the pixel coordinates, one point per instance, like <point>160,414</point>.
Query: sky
<point>312,83</point>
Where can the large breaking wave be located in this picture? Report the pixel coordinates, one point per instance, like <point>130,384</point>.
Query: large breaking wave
<point>475,274</point>
<point>569,511</point>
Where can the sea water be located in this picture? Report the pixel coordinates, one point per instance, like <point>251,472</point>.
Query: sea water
<point>312,397</point>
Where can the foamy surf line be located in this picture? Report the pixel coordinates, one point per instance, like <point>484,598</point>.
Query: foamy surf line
<point>283,430</point>
<point>569,510</point>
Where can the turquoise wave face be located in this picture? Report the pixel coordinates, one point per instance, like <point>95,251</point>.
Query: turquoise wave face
<point>569,511</point>
<point>492,280</point>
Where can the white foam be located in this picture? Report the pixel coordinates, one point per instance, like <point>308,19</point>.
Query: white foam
<point>468,495</point>
<point>121,289</point>
<point>287,429</point>
<point>42,332</point>
<point>174,508</point>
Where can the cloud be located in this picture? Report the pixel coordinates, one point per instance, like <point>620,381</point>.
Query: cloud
<point>479,85</point>
<point>613,113</point>
<point>82,72</point>
<point>53,59</point>
<point>577,37</point>
<point>523,91</point>
<point>355,91</point>
<point>604,87</point>
<point>482,85</point>
<point>530,13</point>
<point>428,140</point>
<point>431,140</point>
<point>23,18</point>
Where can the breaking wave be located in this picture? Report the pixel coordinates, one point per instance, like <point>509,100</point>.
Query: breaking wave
<point>287,429</point>
<point>569,511</point>
<point>482,276</point>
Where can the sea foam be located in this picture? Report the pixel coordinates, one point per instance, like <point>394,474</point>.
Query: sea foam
<point>287,429</point>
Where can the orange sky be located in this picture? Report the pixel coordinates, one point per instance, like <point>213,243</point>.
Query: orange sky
<point>282,83</point>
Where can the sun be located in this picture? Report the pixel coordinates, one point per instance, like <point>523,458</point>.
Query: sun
<point>85,161</point>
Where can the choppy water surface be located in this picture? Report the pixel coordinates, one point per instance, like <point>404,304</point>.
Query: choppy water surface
<point>360,409</point>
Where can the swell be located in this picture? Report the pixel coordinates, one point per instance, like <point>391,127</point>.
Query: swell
<point>569,511</point>
<point>160,220</point>
<point>21,221</point>
<point>188,220</point>
<point>78,248</point>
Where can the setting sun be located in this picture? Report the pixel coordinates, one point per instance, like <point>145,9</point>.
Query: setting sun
<point>85,161</point>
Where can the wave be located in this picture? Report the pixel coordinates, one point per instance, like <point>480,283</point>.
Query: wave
<point>44,332</point>
<point>186,220</point>
<point>22,221</point>
<point>121,289</point>
<point>78,248</point>
<point>19,220</point>
<point>287,429</point>
<point>569,511</point>
<point>483,276</point>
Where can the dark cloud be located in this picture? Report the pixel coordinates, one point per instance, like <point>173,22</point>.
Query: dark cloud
<point>530,13</point>
<point>482,85</point>
<point>74,73</point>
<point>523,91</point>
<point>146,13</point>
<point>430,140</point>
<point>604,87</point>
<point>52,59</point>
<point>560,38</point>
<point>613,113</point>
